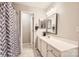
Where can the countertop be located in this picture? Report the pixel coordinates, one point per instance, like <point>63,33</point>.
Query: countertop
<point>56,43</point>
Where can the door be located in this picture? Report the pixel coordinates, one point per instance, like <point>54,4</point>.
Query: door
<point>27,28</point>
<point>26,21</point>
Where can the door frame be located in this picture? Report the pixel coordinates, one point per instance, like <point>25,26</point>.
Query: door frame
<point>32,39</point>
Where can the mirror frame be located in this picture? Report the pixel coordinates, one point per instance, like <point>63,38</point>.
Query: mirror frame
<point>50,25</point>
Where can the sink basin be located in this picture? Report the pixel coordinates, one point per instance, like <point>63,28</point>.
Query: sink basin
<point>47,37</point>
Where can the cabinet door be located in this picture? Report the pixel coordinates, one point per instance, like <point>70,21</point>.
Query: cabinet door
<point>39,44</point>
<point>43,48</point>
<point>70,53</point>
<point>49,54</point>
<point>52,52</point>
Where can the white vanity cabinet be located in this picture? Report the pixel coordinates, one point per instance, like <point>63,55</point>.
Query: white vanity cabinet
<point>52,52</point>
<point>39,44</point>
<point>70,53</point>
<point>46,50</point>
<point>43,48</point>
<point>53,47</point>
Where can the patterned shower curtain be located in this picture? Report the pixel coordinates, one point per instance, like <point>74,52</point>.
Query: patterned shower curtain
<point>9,41</point>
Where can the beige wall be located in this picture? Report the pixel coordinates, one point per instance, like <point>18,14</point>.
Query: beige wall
<point>68,20</point>
<point>38,13</point>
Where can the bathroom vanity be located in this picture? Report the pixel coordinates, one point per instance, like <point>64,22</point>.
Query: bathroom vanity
<point>50,46</point>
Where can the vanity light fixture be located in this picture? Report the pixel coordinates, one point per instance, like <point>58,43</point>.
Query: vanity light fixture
<point>51,11</point>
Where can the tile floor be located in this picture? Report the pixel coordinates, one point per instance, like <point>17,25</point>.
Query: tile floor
<point>28,51</point>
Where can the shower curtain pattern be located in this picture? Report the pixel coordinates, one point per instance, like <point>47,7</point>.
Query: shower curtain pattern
<point>3,44</point>
<point>9,42</point>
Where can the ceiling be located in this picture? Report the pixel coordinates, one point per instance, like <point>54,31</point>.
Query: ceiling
<point>42,5</point>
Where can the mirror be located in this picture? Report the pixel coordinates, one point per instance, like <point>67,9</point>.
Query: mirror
<point>52,24</point>
<point>42,24</point>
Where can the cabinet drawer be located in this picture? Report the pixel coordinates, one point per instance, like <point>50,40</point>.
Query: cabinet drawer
<point>50,54</point>
<point>53,51</point>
